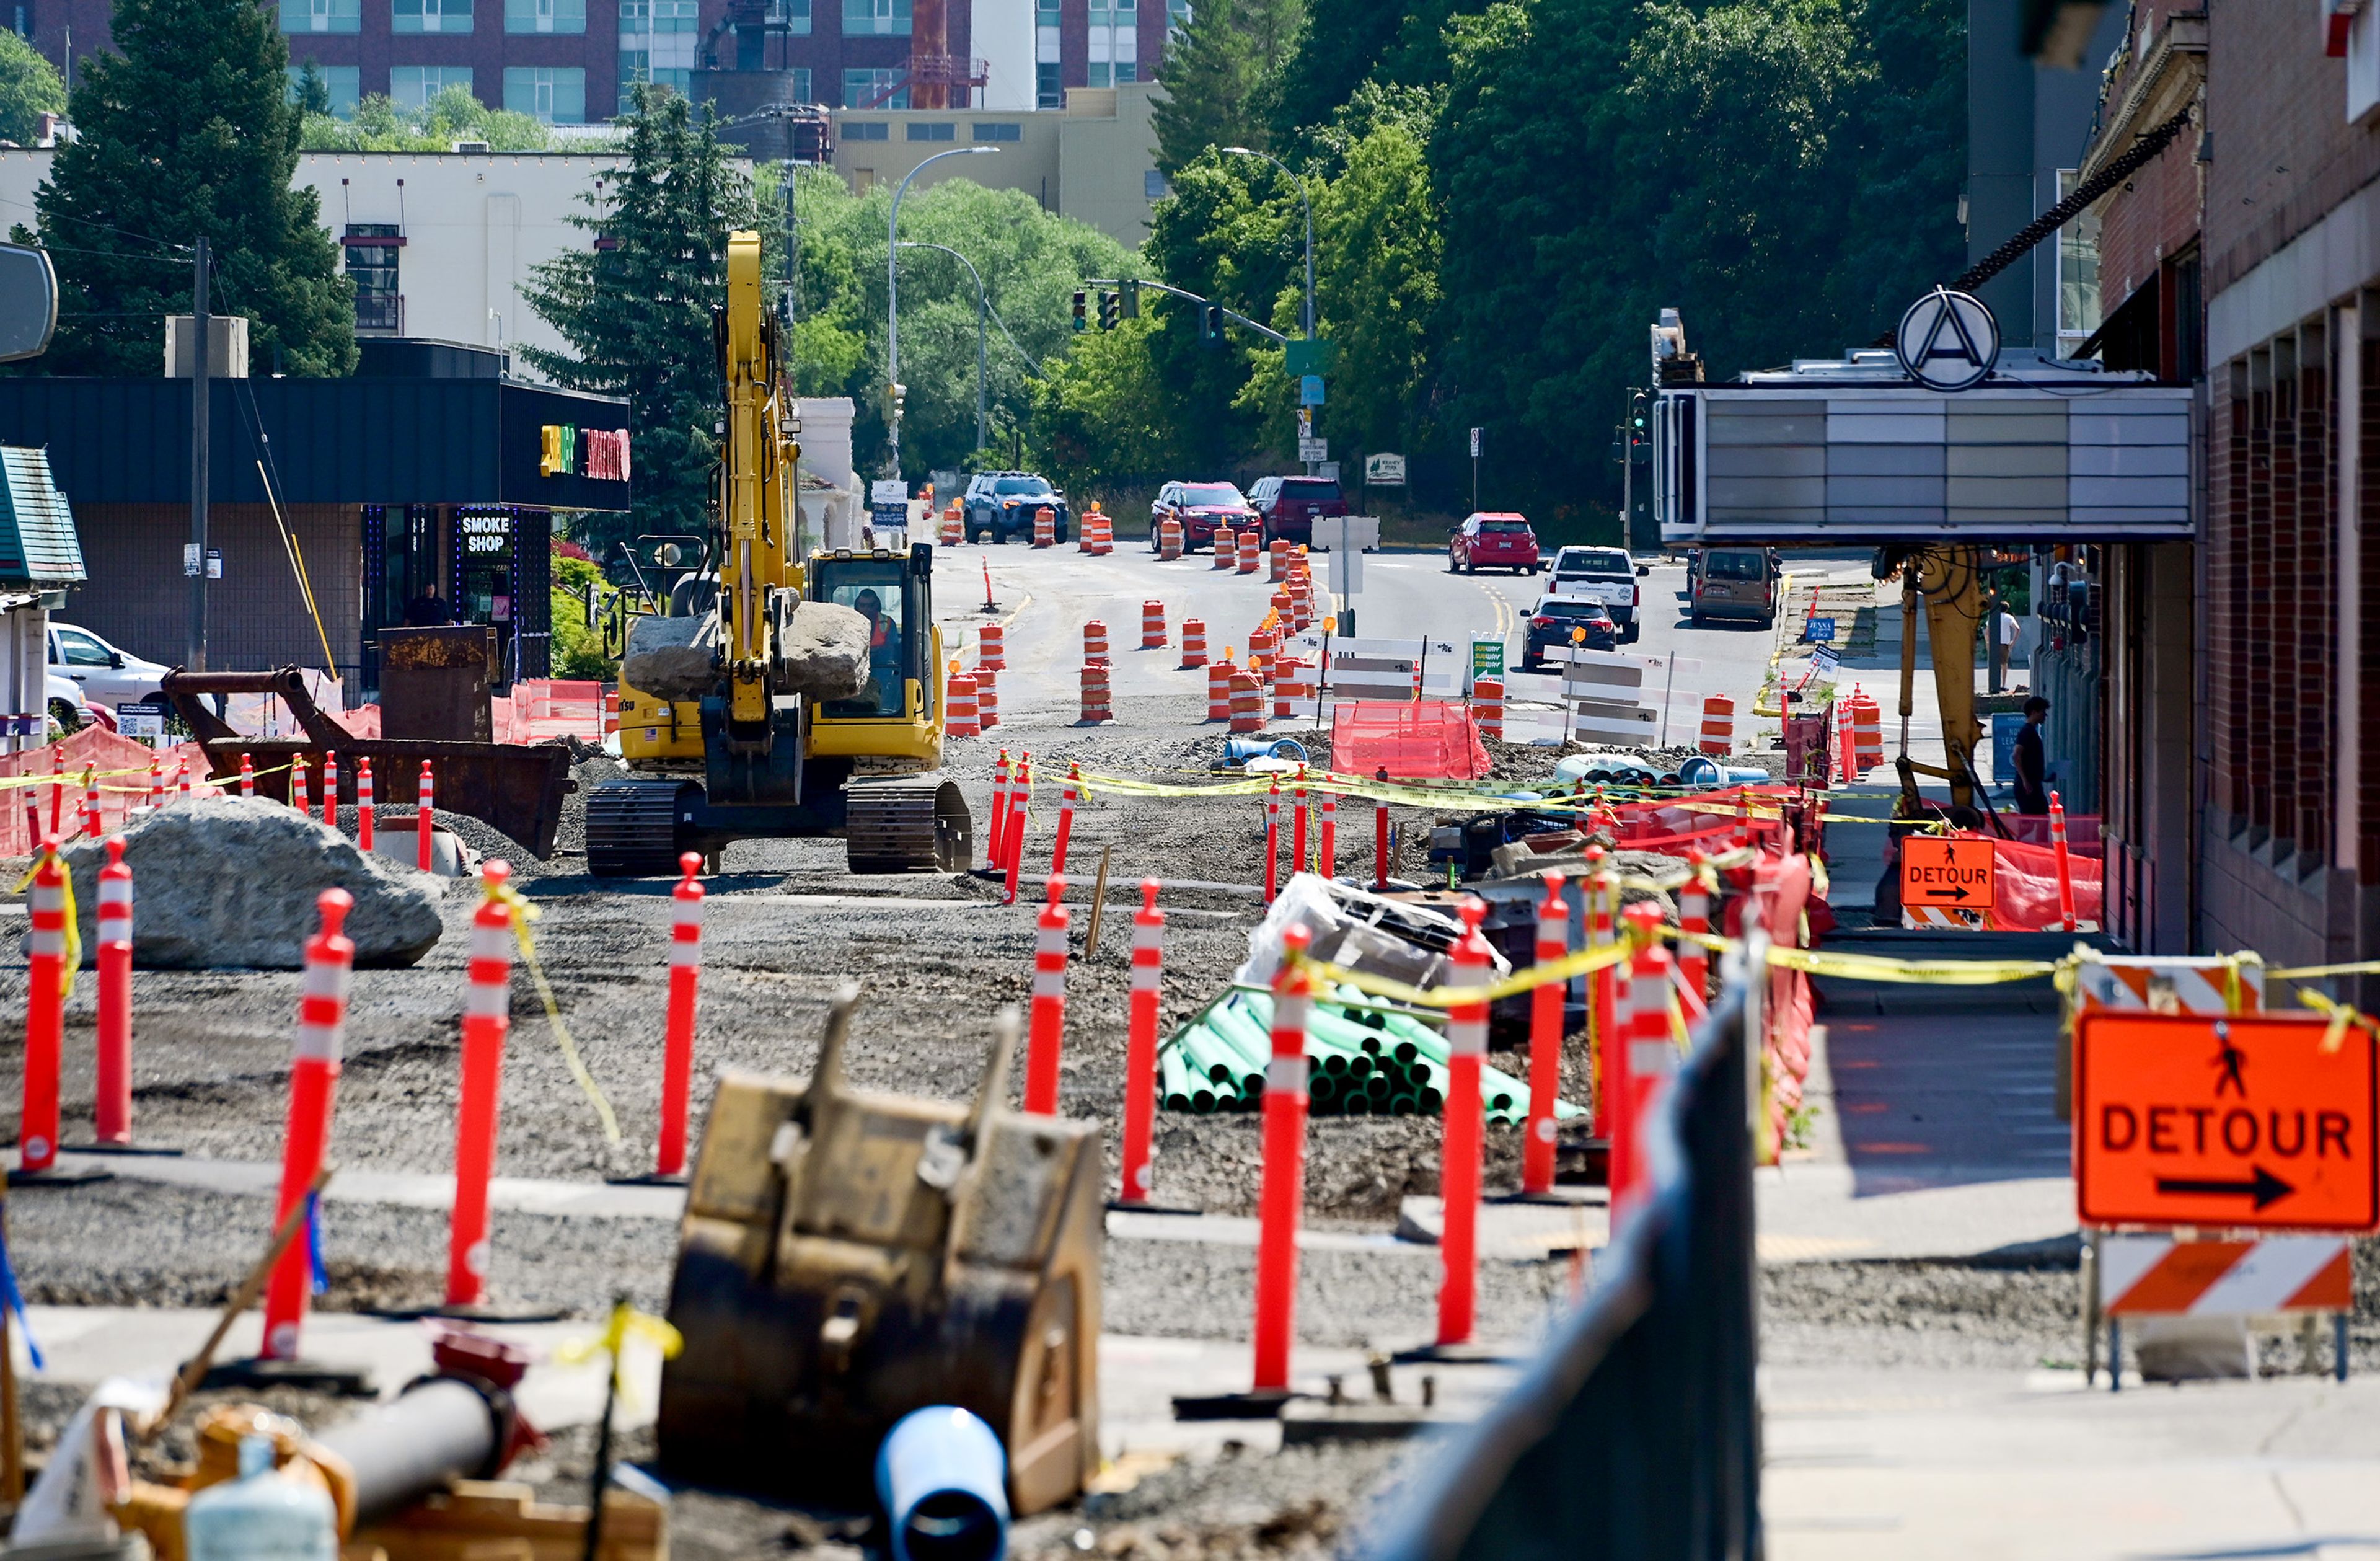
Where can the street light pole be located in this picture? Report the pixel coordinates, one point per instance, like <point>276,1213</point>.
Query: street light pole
<point>893,293</point>
<point>982,324</point>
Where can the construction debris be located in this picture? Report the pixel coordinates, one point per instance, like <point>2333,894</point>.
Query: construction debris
<point>227,883</point>
<point>823,648</point>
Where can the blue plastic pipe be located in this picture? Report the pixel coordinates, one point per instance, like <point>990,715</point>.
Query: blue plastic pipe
<point>942,1477</point>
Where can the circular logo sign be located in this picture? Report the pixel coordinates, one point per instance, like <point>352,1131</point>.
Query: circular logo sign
<point>1948,341</point>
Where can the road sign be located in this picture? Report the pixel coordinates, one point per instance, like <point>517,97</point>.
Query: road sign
<point>1303,357</point>
<point>1475,444</point>
<point>1382,470</point>
<point>1938,871</point>
<point>2239,1119</point>
<point>1313,449</point>
<point>1487,657</point>
<point>1309,390</point>
<point>888,490</point>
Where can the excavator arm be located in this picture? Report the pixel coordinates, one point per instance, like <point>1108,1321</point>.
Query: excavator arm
<point>1948,581</point>
<point>760,567</point>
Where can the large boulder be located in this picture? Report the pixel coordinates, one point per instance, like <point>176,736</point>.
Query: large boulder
<point>230,883</point>
<point>670,658</point>
<point>825,651</point>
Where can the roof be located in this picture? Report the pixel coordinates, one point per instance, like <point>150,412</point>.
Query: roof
<point>38,547</point>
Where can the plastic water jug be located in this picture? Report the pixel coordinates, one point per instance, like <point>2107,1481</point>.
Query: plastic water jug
<point>260,1516</point>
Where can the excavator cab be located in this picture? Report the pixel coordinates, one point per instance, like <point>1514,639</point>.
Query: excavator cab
<point>893,724</point>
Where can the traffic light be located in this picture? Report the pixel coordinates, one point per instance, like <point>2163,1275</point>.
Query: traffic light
<point>1080,323</point>
<point>1131,299</point>
<point>1110,310</point>
<point>1205,324</point>
<point>1213,335</point>
<point>1640,412</point>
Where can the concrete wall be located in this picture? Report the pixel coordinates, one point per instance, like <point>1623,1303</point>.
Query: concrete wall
<point>1107,150</point>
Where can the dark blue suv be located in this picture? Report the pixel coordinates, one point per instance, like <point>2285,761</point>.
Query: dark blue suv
<point>1000,505</point>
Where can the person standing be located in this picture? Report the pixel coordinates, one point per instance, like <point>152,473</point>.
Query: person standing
<point>2032,759</point>
<point>2004,627</point>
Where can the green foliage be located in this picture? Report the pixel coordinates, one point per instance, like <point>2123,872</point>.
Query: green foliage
<point>1223,77</point>
<point>1348,42</point>
<point>189,131</point>
<point>638,314</point>
<point>29,88</point>
<point>312,93</point>
<point>454,115</point>
<point>1376,265</point>
<point>577,649</point>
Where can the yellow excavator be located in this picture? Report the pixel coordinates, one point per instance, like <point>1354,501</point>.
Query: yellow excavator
<point>1949,583</point>
<point>752,755</point>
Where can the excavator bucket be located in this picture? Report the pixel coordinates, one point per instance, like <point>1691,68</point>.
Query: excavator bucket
<point>850,1257</point>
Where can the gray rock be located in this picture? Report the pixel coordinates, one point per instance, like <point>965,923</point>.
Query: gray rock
<point>226,882</point>
<point>825,651</point>
<point>670,658</point>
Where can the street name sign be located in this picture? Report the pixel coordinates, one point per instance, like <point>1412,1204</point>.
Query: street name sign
<point>1935,869</point>
<point>2214,1120</point>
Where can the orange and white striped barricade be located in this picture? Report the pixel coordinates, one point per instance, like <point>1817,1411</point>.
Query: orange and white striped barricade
<point>1103,528</point>
<point>1219,689</point>
<point>1251,542</point>
<point>1286,689</point>
<point>1247,702</point>
<point>1096,706</point>
<point>1223,552</point>
<point>364,805</point>
<point>112,1073</point>
<point>2153,1274</point>
<point>330,786</point>
<point>487,1021</point>
<point>1045,527</point>
<point>960,717</point>
<point>1045,1042</point>
<point>995,832</point>
<point>1095,643</point>
<point>2153,984</point>
<point>305,1133</point>
<point>1067,798</point>
<point>299,797</point>
<point>247,776</point>
<point>1152,626</point>
<point>1169,539</point>
<point>1279,553</point>
<point>1488,708</point>
<point>677,1030</point>
<point>1194,642</point>
<point>1867,734</point>
<point>48,976</point>
<point>987,696</point>
<point>1140,1047</point>
<point>1544,1042</point>
<point>992,647</point>
<point>954,529</point>
<point>1282,1199</point>
<point>1460,1167</point>
<point>1719,725</point>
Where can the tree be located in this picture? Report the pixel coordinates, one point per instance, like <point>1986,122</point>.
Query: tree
<point>188,132</point>
<point>379,124</point>
<point>313,92</point>
<point>1348,42</point>
<point>637,312</point>
<point>1223,77</point>
<point>29,88</point>
<point>1378,258</point>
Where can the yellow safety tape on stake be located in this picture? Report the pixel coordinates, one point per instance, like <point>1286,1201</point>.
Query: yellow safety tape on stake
<point>523,913</point>
<point>626,1322</point>
<point>73,923</point>
<point>2342,1016</point>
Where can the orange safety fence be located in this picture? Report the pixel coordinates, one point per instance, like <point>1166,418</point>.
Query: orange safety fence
<point>92,748</point>
<point>2082,832</point>
<point>2024,886</point>
<point>1781,893</point>
<point>1423,740</point>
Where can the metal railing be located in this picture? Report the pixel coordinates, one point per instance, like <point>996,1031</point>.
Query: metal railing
<point>1636,1434</point>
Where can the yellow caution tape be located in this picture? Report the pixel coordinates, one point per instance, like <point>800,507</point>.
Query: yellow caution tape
<point>626,1322</point>
<point>74,924</point>
<point>1569,968</point>
<point>523,913</point>
<point>1937,972</point>
<point>2342,1015</point>
<point>2315,972</point>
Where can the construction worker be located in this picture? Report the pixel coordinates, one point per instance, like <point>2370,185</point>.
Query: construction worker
<point>883,652</point>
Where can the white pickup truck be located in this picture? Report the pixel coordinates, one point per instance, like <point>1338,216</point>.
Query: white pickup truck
<point>1602,574</point>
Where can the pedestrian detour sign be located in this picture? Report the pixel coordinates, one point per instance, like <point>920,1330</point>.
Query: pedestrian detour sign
<point>2207,1120</point>
<point>1935,869</point>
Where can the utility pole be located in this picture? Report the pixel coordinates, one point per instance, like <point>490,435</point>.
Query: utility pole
<point>194,556</point>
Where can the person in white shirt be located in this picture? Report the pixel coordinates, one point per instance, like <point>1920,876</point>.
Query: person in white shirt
<point>2003,643</point>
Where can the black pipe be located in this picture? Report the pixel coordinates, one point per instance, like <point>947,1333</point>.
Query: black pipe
<point>441,1430</point>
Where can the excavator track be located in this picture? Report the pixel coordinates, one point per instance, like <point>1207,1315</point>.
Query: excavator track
<point>632,828</point>
<point>913,825</point>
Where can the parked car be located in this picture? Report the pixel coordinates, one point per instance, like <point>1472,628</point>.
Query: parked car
<point>1605,575</point>
<point>1552,621</point>
<point>1201,507</point>
<point>107,676</point>
<point>1733,583</point>
<point>1000,505</point>
<point>70,710</point>
<point>1495,540</point>
<point>1288,506</point>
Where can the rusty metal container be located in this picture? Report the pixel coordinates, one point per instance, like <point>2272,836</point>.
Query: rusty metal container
<point>435,683</point>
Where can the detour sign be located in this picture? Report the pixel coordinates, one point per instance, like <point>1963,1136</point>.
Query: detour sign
<point>1938,871</point>
<point>2236,1120</point>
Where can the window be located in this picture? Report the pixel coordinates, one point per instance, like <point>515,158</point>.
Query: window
<point>867,89</point>
<point>1097,74</point>
<point>1177,13</point>
<point>932,132</point>
<point>867,130</point>
<point>1048,93</point>
<point>81,650</point>
<point>371,251</point>
<point>657,45</point>
<point>2077,273</point>
<point>342,80</point>
<point>1126,72</point>
<point>414,85</point>
<point>1152,184</point>
<point>876,17</point>
<point>545,16</point>
<point>999,132</point>
<point>1045,13</point>
<point>551,94</point>
<point>322,15</point>
<point>802,84</point>
<point>790,16</point>
<point>429,16</point>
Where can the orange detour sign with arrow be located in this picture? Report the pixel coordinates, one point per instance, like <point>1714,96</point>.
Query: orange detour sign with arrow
<point>1935,869</point>
<point>2207,1120</point>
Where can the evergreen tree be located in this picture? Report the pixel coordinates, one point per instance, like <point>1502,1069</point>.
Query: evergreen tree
<point>637,312</point>
<point>313,92</point>
<point>188,132</point>
<point>29,88</point>
<point>1223,77</point>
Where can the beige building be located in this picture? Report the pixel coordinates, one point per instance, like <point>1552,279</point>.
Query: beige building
<point>1095,160</point>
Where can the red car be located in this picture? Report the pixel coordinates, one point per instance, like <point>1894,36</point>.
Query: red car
<point>1201,507</point>
<point>1493,542</point>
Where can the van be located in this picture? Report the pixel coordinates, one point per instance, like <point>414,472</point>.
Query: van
<point>1733,583</point>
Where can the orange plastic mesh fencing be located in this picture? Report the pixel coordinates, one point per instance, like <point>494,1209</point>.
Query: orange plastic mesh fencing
<point>1427,739</point>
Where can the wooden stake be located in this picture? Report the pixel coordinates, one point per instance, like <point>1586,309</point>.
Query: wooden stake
<point>1099,904</point>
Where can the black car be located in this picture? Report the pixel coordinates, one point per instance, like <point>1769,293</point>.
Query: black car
<point>1552,621</point>
<point>1000,505</point>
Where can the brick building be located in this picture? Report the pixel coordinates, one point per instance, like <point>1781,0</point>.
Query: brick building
<point>572,61</point>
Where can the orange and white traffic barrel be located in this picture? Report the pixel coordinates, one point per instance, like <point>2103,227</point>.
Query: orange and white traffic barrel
<point>1280,552</point>
<point>1868,733</point>
<point>959,716</point>
<point>1283,608</point>
<point>1247,702</point>
<point>1102,533</point>
<point>1223,552</point>
<point>1169,539</point>
<point>1286,687</point>
<point>1095,643</point>
<point>1095,697</point>
<point>991,647</point>
<point>1488,707</point>
<point>1152,626</point>
<point>305,1134</point>
<point>1045,527</point>
<point>611,711</point>
<point>987,696</point>
<point>1719,725</point>
<point>954,529</point>
<point>1194,642</point>
<point>1250,541</point>
<point>1219,688</point>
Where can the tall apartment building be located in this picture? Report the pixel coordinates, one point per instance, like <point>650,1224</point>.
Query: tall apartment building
<point>574,61</point>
